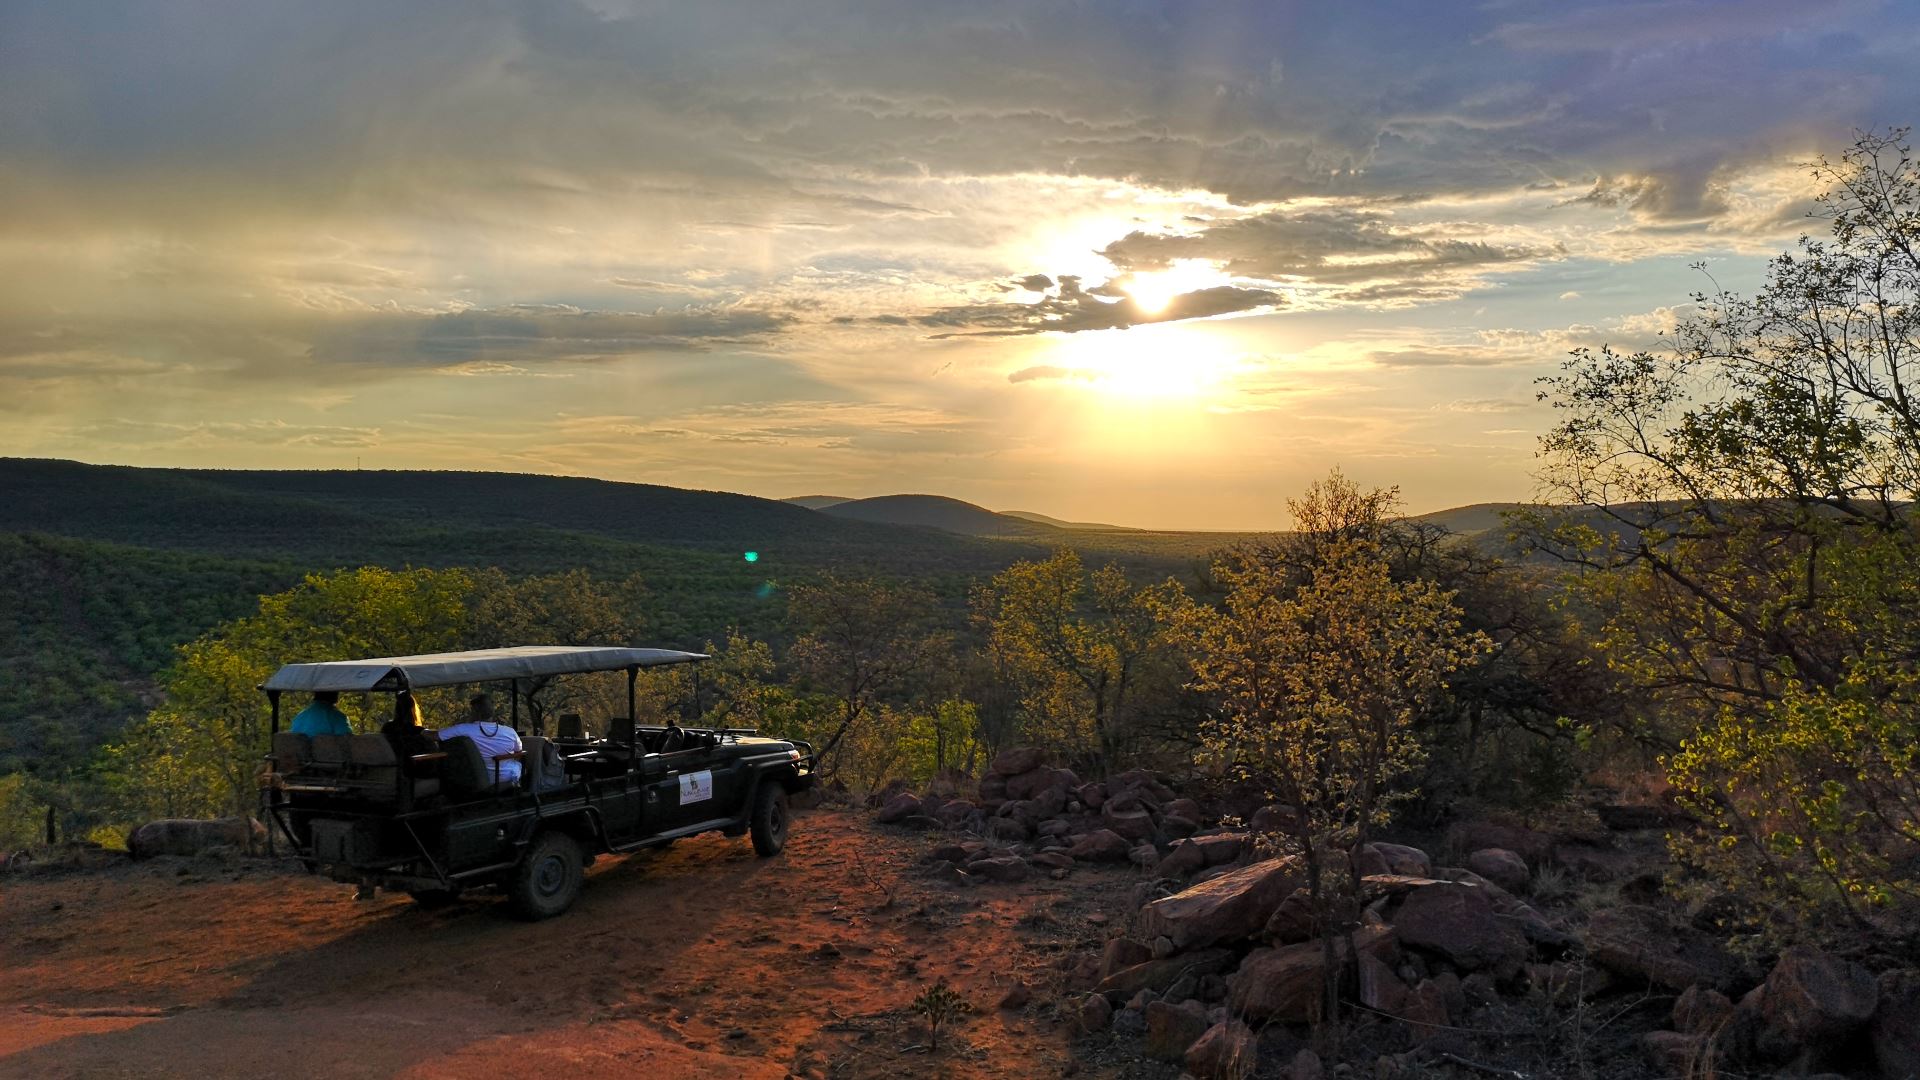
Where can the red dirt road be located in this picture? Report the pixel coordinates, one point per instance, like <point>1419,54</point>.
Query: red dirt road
<point>699,961</point>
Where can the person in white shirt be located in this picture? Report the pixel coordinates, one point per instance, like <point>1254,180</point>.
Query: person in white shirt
<point>492,737</point>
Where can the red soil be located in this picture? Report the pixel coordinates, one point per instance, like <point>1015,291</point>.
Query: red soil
<point>699,961</point>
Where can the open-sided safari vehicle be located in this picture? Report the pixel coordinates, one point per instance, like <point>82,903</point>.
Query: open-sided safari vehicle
<point>436,824</point>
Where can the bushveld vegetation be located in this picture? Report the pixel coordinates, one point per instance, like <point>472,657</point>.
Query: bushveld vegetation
<point>1721,589</point>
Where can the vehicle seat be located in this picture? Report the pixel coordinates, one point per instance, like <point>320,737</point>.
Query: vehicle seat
<point>332,751</point>
<point>376,769</point>
<point>542,769</point>
<point>291,751</point>
<point>465,772</point>
<point>570,726</point>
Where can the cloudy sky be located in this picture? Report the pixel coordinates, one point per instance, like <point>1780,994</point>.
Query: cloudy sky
<point>1152,263</point>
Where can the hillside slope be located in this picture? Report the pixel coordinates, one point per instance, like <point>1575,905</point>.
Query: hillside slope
<point>938,512</point>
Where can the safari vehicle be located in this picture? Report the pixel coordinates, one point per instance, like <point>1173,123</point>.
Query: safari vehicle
<point>435,824</point>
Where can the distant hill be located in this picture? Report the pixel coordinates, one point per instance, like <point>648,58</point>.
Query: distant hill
<point>1084,526</point>
<point>1467,520</point>
<point>817,502</point>
<point>939,512</point>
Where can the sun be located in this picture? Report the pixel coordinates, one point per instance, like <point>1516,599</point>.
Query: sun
<point>1163,363</point>
<point>1152,290</point>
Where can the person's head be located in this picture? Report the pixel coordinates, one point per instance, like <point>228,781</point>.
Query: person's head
<point>326,697</point>
<point>406,709</point>
<point>480,706</point>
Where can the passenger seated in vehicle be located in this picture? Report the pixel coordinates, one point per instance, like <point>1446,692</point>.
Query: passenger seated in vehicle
<point>321,717</point>
<point>494,739</point>
<point>406,732</point>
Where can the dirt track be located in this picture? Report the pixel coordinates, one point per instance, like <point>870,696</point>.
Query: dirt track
<point>699,961</point>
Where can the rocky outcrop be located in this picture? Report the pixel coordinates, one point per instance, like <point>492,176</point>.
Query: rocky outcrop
<point>1639,943</point>
<point>1172,1028</point>
<point>1227,1051</point>
<point>1458,922</point>
<point>1502,867</point>
<point>1814,997</point>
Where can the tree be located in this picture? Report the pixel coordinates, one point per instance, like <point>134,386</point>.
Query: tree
<point>1741,504</point>
<point>570,608</point>
<point>1078,642</point>
<point>863,640</point>
<point>1318,684</point>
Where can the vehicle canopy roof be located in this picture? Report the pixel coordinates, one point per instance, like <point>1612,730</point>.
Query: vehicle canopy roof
<point>394,673</point>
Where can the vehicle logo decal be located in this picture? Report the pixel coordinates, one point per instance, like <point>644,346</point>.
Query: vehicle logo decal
<point>696,787</point>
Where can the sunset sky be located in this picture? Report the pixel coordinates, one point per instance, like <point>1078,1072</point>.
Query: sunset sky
<point>1155,264</point>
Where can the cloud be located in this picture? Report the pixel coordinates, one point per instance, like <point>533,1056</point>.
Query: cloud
<point>513,337</point>
<point>1071,308</point>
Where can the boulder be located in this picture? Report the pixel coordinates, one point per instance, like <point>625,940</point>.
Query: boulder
<point>1008,868</point>
<point>1175,825</point>
<point>1157,975</point>
<point>1306,1066</point>
<point>1428,1010</point>
<point>1183,858</point>
<point>1092,1014</point>
<point>1396,859</point>
<point>993,788</point>
<point>953,853</point>
<point>1121,953</point>
<point>1458,922</point>
<point>1638,943</point>
<point>190,836</point>
<point>1274,819</point>
<point>1054,827</point>
<point>1475,835</point>
<point>1030,784</point>
<point>957,813</point>
<point>1007,828</point>
<point>1140,784</point>
<point>1813,997</point>
<point>1379,988</point>
<point>1292,921</point>
<point>1104,845</point>
<point>1502,867</point>
<point>1286,984</point>
<point>1512,909</point>
<point>1092,796</point>
<point>1701,1010</point>
<point>1226,1051</point>
<point>1566,982</point>
<point>1674,1053</point>
<point>1185,808</point>
<point>1895,1030</point>
<point>1143,855</point>
<point>1134,824</point>
<point>1052,860</point>
<point>899,808</point>
<point>1017,996</point>
<point>1172,1028</point>
<point>1019,760</point>
<point>1232,906</point>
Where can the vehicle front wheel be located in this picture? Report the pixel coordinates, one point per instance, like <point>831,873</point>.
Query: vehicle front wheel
<point>770,819</point>
<point>548,880</point>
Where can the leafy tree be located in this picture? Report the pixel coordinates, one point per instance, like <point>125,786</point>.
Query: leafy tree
<point>570,608</point>
<point>1318,684</point>
<point>1078,643</point>
<point>1747,494</point>
<point>862,641</point>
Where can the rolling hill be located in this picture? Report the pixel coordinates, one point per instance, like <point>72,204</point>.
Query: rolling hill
<point>939,512</point>
<point>817,502</point>
<point>1084,526</point>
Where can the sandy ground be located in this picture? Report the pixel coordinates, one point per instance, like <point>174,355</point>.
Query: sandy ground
<point>698,961</point>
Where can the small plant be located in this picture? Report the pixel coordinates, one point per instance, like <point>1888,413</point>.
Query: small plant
<point>938,1003</point>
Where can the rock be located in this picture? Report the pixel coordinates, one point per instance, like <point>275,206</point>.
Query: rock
<point>1232,906</point>
<point>191,836</point>
<point>1171,1028</point>
<point>1511,909</point>
<point>1160,974</point>
<point>1136,824</point>
<point>1182,859</point>
<point>1032,784</point>
<point>1104,845</point>
<point>1292,921</point>
<point>1813,997</point>
<point>1140,784</point>
<point>1427,1010</point>
<point>1007,828</point>
<point>1895,1030</point>
<point>1674,1053</point>
<point>1458,921</point>
<point>1016,997</point>
<point>1143,855</point>
<point>1502,867</point>
<point>1274,819</point>
<point>1225,1051</point>
<point>1590,863</point>
<point>1396,859</point>
<point>1008,869</point>
<point>1122,953</point>
<point>953,853</point>
<point>956,813</point>
<point>1185,808</point>
<point>1052,860</point>
<point>1701,1011</point>
<point>1566,982</point>
<point>1306,1066</point>
<point>993,788</point>
<point>1163,947</point>
<point>1475,835</point>
<point>1130,1022</point>
<point>1093,1014</point>
<point>1379,988</point>
<point>1093,796</point>
<point>1022,759</point>
<point>1639,943</point>
<point>1286,983</point>
<point>1175,825</point>
<point>899,808</point>
<point>1054,827</point>
<point>925,822</point>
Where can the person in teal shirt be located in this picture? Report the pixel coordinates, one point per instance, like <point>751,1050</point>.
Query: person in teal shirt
<point>322,717</point>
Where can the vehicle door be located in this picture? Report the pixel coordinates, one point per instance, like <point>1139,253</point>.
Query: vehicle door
<point>698,784</point>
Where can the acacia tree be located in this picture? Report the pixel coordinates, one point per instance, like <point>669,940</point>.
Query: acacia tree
<point>1318,683</point>
<point>862,640</point>
<point>1078,642</point>
<point>1747,493</point>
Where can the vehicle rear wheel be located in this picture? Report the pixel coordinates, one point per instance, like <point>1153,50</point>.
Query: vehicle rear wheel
<point>548,880</point>
<point>433,898</point>
<point>770,819</point>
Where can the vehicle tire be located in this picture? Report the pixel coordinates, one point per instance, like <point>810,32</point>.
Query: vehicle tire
<point>769,821</point>
<point>548,880</point>
<point>433,898</point>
